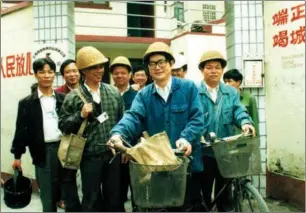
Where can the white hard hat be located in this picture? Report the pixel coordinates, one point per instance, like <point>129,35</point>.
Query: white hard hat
<point>180,61</point>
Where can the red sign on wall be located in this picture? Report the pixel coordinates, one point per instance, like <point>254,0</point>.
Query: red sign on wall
<point>17,65</point>
<point>284,37</point>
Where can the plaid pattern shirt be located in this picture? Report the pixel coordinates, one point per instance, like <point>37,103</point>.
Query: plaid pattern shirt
<point>96,133</point>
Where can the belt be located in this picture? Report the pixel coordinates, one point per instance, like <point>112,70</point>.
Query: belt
<point>53,143</point>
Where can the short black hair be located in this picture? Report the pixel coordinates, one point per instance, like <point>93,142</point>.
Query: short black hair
<point>168,57</point>
<point>39,64</point>
<point>140,68</point>
<point>65,64</point>
<point>233,74</point>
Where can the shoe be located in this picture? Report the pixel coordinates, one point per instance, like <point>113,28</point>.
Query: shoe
<point>61,204</point>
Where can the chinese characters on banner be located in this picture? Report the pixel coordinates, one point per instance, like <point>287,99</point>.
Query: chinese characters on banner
<point>16,65</point>
<point>283,17</point>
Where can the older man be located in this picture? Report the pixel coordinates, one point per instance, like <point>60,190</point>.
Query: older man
<point>222,110</point>
<point>71,74</point>
<point>103,110</point>
<point>121,72</point>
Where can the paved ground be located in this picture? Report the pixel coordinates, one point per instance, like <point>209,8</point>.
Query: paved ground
<point>35,206</point>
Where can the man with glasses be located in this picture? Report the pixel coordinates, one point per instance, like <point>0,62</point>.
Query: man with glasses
<point>104,109</point>
<point>169,104</point>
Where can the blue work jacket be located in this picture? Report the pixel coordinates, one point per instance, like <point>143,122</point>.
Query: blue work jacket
<point>181,116</point>
<point>220,117</point>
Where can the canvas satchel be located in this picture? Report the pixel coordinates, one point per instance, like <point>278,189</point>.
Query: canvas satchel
<point>71,147</point>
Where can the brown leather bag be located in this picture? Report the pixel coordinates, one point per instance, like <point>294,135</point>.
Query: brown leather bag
<point>71,147</point>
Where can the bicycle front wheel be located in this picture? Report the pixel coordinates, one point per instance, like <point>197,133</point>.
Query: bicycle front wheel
<point>250,200</point>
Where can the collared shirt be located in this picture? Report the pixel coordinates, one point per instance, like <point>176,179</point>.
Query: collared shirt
<point>95,94</point>
<point>50,117</point>
<point>213,92</point>
<point>127,89</point>
<point>164,92</point>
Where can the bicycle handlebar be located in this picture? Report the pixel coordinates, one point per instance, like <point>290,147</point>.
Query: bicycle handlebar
<point>225,139</point>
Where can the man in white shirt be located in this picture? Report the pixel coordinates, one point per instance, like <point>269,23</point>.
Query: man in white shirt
<point>37,128</point>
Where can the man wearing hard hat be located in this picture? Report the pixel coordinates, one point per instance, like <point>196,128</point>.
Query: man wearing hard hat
<point>222,109</point>
<point>121,69</point>
<point>168,104</point>
<point>179,69</point>
<point>104,109</point>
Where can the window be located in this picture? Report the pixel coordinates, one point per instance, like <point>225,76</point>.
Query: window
<point>98,4</point>
<point>209,12</point>
<point>179,11</point>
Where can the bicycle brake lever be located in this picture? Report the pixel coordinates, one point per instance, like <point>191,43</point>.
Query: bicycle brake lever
<point>113,158</point>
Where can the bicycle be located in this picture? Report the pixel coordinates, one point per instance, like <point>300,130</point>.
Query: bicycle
<point>237,157</point>
<point>157,188</point>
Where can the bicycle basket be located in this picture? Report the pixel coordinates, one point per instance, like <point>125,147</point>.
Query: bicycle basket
<point>159,189</point>
<point>238,158</point>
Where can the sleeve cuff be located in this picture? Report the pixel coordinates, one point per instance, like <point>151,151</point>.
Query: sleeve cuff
<point>17,156</point>
<point>245,121</point>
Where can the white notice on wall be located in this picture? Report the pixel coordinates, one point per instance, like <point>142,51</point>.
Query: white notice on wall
<point>253,73</point>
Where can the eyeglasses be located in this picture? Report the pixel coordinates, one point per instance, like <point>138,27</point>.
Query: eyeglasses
<point>161,63</point>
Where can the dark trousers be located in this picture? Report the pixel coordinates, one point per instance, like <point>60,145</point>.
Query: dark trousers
<point>48,178</point>
<point>70,191</point>
<point>125,181</point>
<point>97,172</point>
<point>206,180</point>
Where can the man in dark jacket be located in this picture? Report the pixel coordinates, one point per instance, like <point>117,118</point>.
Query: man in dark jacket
<point>103,110</point>
<point>121,72</point>
<point>37,128</point>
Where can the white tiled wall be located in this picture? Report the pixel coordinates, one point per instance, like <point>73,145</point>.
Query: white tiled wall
<point>244,38</point>
<point>54,23</point>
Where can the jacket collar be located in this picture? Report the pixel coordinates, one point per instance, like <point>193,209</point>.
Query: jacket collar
<point>35,95</point>
<point>222,88</point>
<point>175,84</point>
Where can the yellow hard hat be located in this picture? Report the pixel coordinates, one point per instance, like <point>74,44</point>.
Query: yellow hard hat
<point>88,57</point>
<point>212,55</point>
<point>120,60</point>
<point>158,48</point>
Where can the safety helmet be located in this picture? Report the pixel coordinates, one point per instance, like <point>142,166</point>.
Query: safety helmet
<point>212,55</point>
<point>180,62</point>
<point>121,60</point>
<point>158,48</point>
<point>88,57</point>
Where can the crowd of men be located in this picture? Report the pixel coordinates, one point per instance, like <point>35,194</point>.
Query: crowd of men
<point>171,103</point>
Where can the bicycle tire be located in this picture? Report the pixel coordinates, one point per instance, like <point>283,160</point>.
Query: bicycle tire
<point>245,200</point>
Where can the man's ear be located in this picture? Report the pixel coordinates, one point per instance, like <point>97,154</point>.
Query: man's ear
<point>239,82</point>
<point>171,63</point>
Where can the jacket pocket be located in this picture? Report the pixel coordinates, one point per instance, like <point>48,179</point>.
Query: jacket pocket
<point>179,114</point>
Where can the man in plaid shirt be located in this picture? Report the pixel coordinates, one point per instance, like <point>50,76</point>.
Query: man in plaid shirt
<point>104,109</point>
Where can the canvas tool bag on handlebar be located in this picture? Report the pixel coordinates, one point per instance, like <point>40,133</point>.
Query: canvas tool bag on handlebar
<point>71,148</point>
<point>155,151</point>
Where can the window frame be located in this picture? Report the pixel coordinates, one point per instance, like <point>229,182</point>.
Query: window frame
<point>92,5</point>
<point>179,11</point>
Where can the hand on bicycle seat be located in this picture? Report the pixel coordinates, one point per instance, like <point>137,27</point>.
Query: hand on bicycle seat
<point>248,129</point>
<point>183,145</point>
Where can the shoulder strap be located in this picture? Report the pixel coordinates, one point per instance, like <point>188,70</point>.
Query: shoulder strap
<point>78,91</point>
<point>83,125</point>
